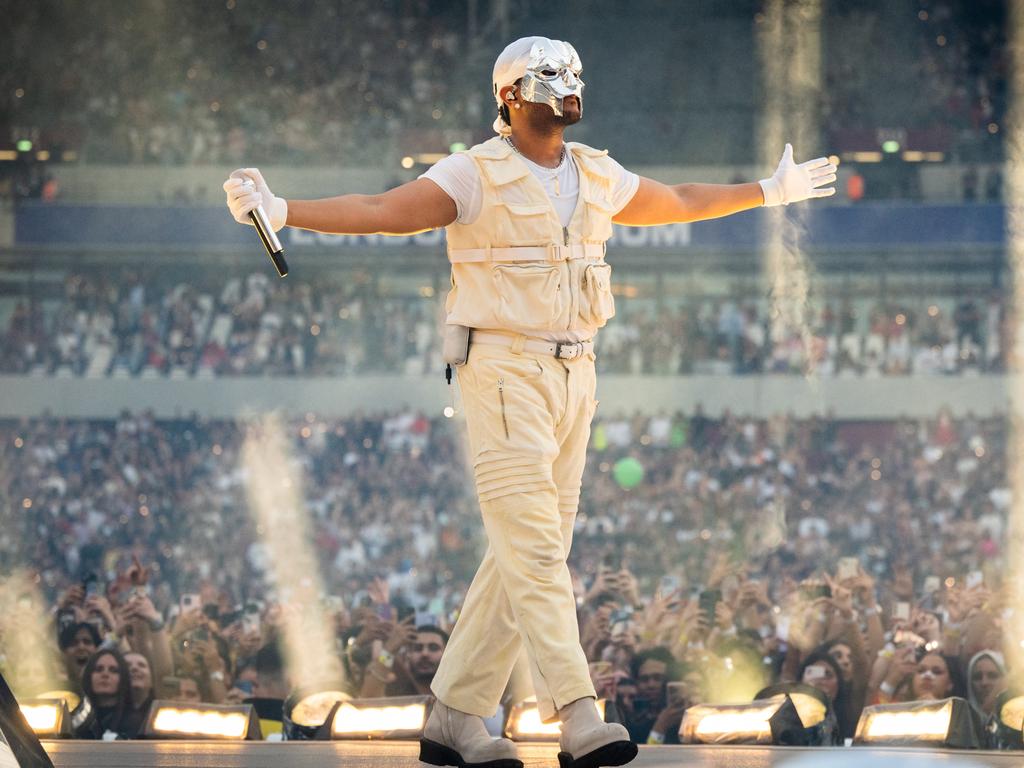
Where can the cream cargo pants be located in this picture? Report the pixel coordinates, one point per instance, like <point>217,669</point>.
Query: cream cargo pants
<point>528,418</point>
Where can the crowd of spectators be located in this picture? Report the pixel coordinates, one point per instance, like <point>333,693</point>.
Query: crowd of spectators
<point>242,82</point>
<point>864,559</point>
<point>940,84</point>
<point>964,65</point>
<point>313,83</point>
<point>340,325</point>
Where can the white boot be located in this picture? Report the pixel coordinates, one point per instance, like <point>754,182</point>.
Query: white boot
<point>451,737</point>
<point>588,742</point>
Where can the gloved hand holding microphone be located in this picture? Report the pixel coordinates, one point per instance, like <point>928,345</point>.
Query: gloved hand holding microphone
<point>251,202</point>
<point>794,182</point>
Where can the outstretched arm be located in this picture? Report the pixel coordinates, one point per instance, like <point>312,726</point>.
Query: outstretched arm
<point>656,203</point>
<point>413,207</point>
<point>405,210</point>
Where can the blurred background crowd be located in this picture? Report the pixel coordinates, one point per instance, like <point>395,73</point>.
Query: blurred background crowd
<point>340,324</point>
<point>711,557</point>
<point>245,84</point>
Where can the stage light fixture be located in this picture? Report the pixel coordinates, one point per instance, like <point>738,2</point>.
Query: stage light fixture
<point>525,724</point>
<point>814,709</point>
<point>1009,721</point>
<point>937,723</point>
<point>176,720</point>
<point>306,710</point>
<point>766,721</point>
<point>47,717</point>
<point>399,717</point>
<point>70,698</point>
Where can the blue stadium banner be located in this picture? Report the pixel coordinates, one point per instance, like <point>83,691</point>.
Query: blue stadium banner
<point>840,226</point>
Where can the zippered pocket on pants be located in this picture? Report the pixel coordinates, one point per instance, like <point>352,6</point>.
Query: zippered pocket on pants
<point>501,397</point>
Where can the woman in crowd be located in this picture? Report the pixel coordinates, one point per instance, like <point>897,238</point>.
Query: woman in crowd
<point>820,670</point>
<point>140,676</point>
<point>853,668</point>
<point>106,706</point>
<point>986,679</point>
<point>936,677</point>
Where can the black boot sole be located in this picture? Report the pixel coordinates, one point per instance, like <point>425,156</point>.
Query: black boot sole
<point>616,753</point>
<point>438,754</point>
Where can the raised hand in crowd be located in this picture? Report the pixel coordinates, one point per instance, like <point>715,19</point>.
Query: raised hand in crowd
<point>147,633</point>
<point>723,622</point>
<point>721,568</point>
<point>72,598</point>
<point>373,629</point>
<point>209,662</point>
<point>669,720</point>
<point>625,584</point>
<point>659,619</point>
<point>752,606</point>
<point>187,621</point>
<point>605,678</point>
<point>863,586</point>
<point>892,671</point>
<point>694,624</point>
<point>400,634</point>
<point>388,658</point>
<point>97,606</point>
<point>596,632</point>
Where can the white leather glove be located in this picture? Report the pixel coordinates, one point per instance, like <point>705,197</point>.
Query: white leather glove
<point>792,183</point>
<point>245,189</point>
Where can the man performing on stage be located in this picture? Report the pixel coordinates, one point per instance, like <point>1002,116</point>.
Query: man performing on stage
<point>527,218</point>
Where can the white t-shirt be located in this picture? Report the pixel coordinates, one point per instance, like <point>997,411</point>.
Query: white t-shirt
<point>459,177</point>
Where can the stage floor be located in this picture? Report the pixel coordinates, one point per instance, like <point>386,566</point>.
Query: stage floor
<point>148,754</point>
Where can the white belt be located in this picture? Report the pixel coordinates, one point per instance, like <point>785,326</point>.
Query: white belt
<point>554,252</point>
<point>562,350</point>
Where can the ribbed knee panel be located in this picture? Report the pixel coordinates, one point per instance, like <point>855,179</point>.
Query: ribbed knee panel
<point>498,476</point>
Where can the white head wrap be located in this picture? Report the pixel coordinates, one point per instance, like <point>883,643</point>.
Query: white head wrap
<point>512,64</point>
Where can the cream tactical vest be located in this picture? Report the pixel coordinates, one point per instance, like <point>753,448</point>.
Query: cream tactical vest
<point>516,268</point>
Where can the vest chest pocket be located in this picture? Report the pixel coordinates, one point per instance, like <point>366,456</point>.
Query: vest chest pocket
<point>597,305</point>
<point>524,224</point>
<point>599,214</point>
<point>529,295</point>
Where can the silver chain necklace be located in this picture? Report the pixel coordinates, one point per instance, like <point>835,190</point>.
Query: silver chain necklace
<point>561,157</point>
<point>554,174</point>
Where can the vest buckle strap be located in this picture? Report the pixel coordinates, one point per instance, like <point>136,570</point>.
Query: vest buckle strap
<point>552,252</point>
<point>559,252</point>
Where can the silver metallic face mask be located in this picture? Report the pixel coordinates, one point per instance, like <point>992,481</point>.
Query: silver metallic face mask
<point>552,74</point>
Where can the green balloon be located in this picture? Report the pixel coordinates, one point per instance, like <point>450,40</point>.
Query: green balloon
<point>628,472</point>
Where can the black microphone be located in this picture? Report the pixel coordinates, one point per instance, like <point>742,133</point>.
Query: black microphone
<point>268,236</point>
